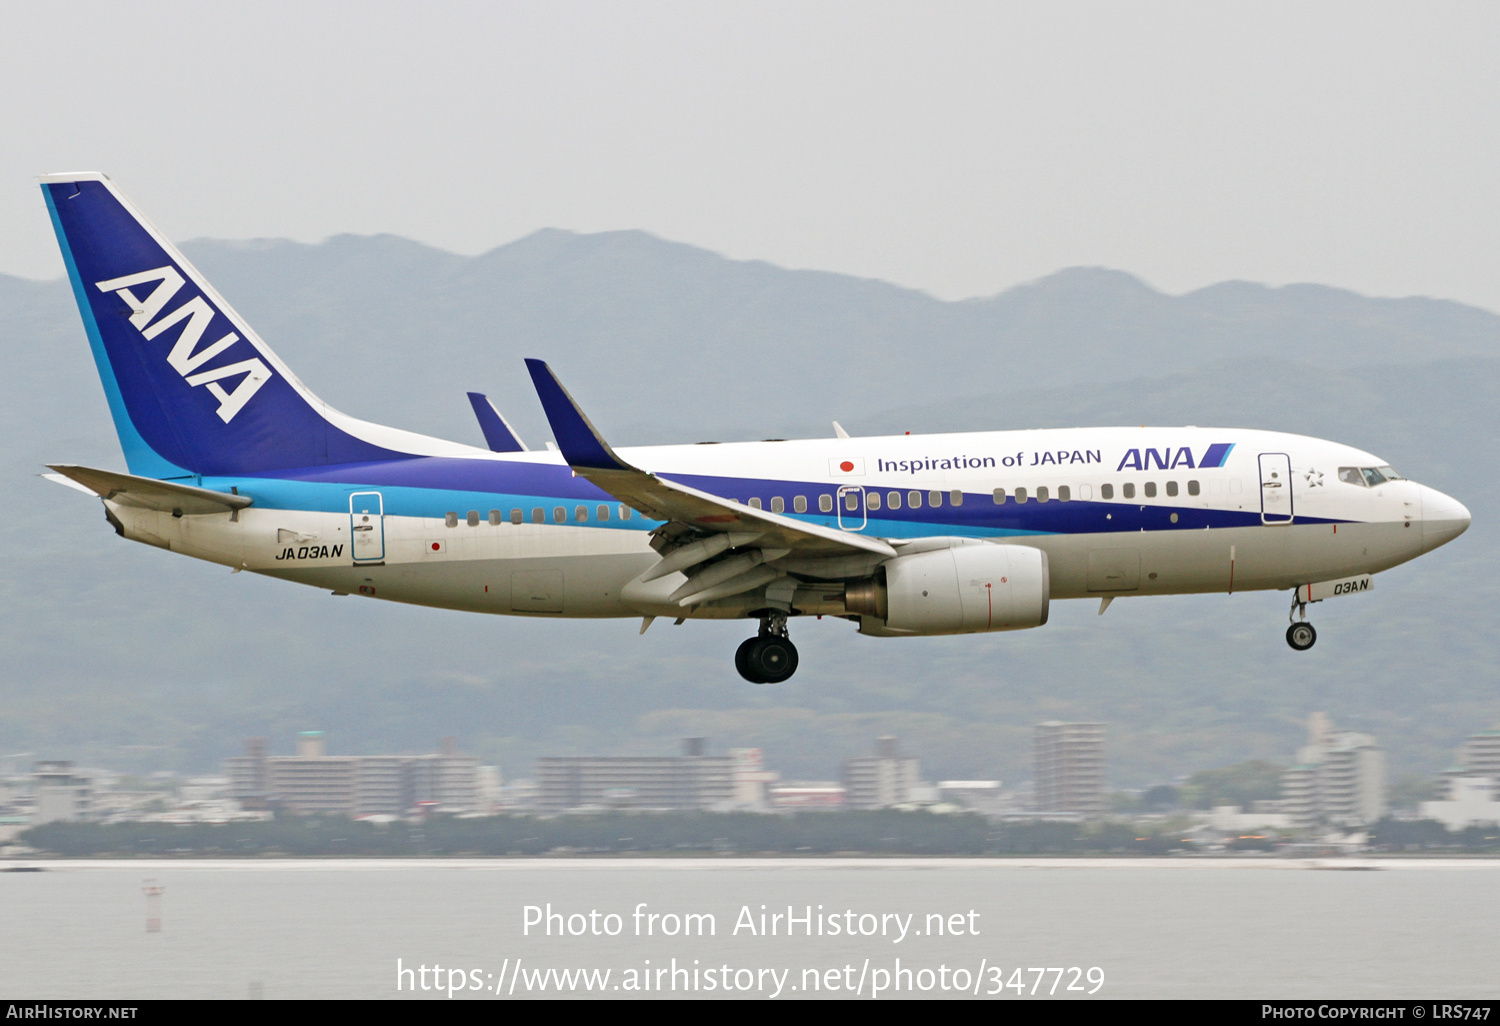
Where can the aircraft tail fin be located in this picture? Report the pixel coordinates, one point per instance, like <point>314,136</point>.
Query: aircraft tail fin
<point>192,388</point>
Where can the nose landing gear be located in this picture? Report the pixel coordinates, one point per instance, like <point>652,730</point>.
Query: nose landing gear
<point>1300,635</point>
<point>769,657</point>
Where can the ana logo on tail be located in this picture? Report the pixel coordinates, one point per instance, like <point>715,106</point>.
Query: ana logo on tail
<point>185,358</point>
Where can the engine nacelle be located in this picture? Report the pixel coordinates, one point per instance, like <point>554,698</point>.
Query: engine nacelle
<point>958,590</point>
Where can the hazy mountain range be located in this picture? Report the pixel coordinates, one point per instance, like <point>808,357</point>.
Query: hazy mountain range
<point>121,655</point>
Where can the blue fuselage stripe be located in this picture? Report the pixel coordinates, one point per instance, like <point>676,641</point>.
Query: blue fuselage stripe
<point>435,486</point>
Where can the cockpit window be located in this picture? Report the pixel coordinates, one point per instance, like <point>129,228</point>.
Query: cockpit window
<point>1368,477</point>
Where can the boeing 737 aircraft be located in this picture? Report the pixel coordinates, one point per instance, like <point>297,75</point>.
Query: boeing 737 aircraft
<point>233,460</point>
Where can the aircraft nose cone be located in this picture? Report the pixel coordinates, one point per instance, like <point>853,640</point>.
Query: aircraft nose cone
<point>1443,519</point>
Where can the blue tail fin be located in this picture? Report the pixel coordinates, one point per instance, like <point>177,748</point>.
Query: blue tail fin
<point>193,390</point>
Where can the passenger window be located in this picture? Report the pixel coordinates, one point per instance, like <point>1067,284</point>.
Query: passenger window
<point>1107,491</point>
<point>851,501</point>
<point>603,512</point>
<point>625,512</point>
<point>825,503</point>
<point>892,500</point>
<point>1150,489</point>
<point>872,500</point>
<point>1021,495</point>
<point>1172,488</point>
<point>934,499</point>
<point>473,518</point>
<point>799,504</point>
<point>559,514</point>
<point>538,515</point>
<point>496,518</point>
<point>517,515</point>
<point>956,498</point>
<point>450,519</point>
<point>1193,488</point>
<point>999,496</point>
<point>914,500</point>
<point>755,504</point>
<point>1128,490</point>
<point>1042,494</point>
<point>1064,493</point>
<point>778,505</point>
<point>581,514</point>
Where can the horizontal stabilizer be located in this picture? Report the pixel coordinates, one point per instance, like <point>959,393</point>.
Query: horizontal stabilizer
<point>498,434</point>
<point>148,493</point>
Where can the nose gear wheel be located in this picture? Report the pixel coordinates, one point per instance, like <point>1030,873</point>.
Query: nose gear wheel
<point>1300,635</point>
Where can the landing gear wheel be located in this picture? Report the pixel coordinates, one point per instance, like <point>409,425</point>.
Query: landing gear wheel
<point>742,660</point>
<point>1301,636</point>
<point>772,659</point>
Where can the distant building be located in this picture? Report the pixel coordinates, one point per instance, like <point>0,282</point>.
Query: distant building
<point>1469,794</point>
<point>312,781</point>
<point>808,794</point>
<point>1070,768</point>
<point>1482,754</point>
<point>1480,758</point>
<point>60,795</point>
<point>689,781</point>
<point>1470,802</point>
<point>979,795</point>
<point>751,778</point>
<point>1339,779</point>
<point>881,780</point>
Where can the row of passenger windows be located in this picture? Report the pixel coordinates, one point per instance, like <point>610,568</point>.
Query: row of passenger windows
<point>873,501</point>
<point>915,499</point>
<point>893,500</point>
<point>1106,491</point>
<point>539,515</point>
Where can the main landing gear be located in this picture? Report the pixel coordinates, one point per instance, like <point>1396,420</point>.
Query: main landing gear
<point>1300,635</point>
<point>769,657</point>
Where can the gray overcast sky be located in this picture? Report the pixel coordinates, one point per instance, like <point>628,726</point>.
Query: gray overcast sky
<point>957,148</point>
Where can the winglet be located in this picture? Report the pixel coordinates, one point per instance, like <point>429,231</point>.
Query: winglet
<point>577,438</point>
<point>498,434</point>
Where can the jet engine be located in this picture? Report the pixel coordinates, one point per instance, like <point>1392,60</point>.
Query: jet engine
<point>968,587</point>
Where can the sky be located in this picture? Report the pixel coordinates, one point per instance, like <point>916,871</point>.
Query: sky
<point>957,148</point>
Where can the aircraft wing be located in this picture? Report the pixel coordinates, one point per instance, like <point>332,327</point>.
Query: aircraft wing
<point>149,493</point>
<point>659,498</point>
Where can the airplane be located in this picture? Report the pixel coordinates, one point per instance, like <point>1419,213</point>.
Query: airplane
<point>232,459</point>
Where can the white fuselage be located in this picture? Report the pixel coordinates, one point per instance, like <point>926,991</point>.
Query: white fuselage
<point>1118,511</point>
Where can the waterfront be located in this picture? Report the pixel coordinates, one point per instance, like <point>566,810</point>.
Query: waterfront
<point>1156,928</point>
